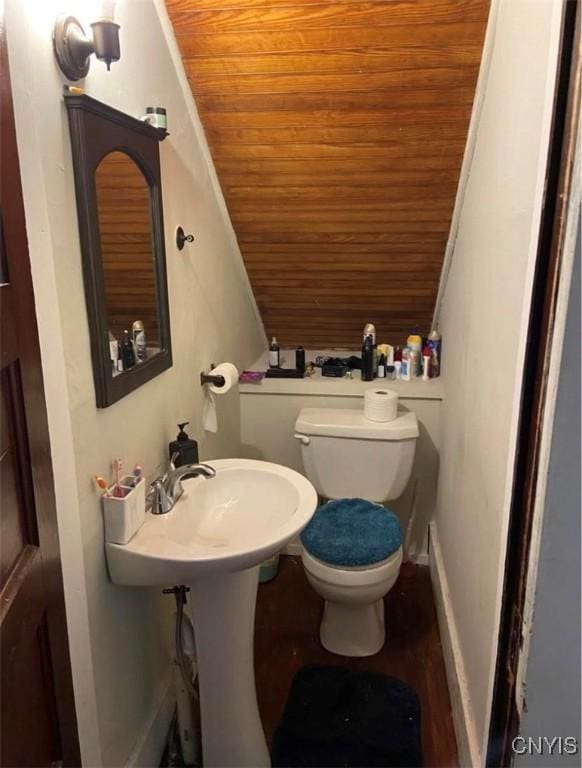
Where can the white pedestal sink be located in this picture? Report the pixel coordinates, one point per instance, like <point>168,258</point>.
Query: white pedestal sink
<point>214,540</point>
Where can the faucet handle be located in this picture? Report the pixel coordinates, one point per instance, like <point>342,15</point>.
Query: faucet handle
<point>161,501</point>
<point>174,457</point>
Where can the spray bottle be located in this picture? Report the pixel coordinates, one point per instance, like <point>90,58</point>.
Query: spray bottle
<point>368,359</point>
<point>370,331</point>
<point>414,343</point>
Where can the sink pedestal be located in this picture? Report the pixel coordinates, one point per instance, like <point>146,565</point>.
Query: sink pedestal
<point>214,539</point>
<point>223,606</point>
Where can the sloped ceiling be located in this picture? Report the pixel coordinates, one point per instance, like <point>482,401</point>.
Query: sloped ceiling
<point>337,130</point>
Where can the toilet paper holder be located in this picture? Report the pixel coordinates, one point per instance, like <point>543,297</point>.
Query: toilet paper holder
<point>208,378</point>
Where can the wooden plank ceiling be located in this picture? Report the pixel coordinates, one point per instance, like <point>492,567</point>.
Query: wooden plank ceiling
<point>337,130</point>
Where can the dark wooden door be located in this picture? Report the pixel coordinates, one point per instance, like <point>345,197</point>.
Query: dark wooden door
<point>37,716</point>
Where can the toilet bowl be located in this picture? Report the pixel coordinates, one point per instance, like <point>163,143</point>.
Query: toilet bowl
<point>352,548</point>
<point>353,615</point>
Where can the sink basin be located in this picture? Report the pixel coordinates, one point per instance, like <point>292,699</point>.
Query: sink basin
<point>213,540</point>
<point>234,521</point>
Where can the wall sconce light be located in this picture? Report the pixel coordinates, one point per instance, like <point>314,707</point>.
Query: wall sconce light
<point>73,48</point>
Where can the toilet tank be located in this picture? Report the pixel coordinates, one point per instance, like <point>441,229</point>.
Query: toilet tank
<point>346,455</point>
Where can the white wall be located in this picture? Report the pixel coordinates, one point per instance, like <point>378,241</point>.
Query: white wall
<point>484,321</point>
<point>119,636</point>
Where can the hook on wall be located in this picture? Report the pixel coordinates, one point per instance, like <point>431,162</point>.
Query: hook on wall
<point>182,238</point>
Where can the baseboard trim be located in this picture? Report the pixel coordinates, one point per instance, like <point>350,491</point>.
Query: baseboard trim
<point>418,558</point>
<point>150,744</point>
<point>467,742</point>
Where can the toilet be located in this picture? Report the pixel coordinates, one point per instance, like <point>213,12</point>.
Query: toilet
<point>352,547</point>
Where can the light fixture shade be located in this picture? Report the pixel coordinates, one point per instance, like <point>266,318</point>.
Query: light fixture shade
<point>106,41</point>
<point>107,10</point>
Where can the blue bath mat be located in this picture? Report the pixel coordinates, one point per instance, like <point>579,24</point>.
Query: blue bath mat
<point>335,717</point>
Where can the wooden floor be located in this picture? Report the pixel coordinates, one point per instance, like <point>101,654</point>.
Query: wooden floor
<point>287,638</point>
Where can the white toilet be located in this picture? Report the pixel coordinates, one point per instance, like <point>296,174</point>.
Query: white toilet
<point>352,549</point>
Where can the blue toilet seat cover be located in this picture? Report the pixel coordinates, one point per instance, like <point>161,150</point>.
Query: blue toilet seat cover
<point>352,532</point>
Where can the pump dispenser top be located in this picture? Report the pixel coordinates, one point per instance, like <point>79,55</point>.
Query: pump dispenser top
<point>183,448</point>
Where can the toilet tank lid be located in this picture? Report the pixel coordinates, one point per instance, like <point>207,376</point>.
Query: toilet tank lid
<point>348,422</point>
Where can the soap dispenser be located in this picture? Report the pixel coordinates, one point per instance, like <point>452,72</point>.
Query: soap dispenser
<point>183,448</point>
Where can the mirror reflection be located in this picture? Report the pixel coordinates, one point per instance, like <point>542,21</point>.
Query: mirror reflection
<point>123,203</point>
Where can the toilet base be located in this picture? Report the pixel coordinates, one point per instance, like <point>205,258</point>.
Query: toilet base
<point>353,629</point>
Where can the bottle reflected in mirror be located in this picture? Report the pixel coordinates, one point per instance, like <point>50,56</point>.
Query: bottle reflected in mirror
<point>127,352</point>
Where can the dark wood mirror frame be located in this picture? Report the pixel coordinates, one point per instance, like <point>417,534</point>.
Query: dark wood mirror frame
<point>97,130</point>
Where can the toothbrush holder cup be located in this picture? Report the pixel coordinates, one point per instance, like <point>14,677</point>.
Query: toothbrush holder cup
<point>124,516</point>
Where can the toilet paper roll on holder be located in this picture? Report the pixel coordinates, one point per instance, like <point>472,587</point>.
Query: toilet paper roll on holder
<point>208,378</point>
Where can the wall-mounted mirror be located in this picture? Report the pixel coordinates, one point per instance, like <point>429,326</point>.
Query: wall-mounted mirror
<point>127,254</point>
<point>119,205</point>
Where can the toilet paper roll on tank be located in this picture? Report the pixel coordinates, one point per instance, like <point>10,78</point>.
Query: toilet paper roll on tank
<point>229,372</point>
<point>380,404</point>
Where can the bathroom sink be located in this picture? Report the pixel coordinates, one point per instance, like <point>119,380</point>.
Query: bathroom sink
<point>231,522</point>
<point>213,541</point>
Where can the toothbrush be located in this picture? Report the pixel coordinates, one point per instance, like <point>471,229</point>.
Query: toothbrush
<point>137,473</point>
<point>117,489</point>
<point>100,482</point>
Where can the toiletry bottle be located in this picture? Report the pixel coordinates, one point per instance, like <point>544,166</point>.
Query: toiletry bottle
<point>113,352</point>
<point>127,352</point>
<point>274,354</point>
<point>397,363</point>
<point>415,363</point>
<point>414,342</point>
<point>405,372</point>
<point>300,359</point>
<point>368,359</point>
<point>157,117</point>
<point>139,340</point>
<point>183,448</point>
<point>435,346</point>
<point>425,362</point>
<point>382,367</point>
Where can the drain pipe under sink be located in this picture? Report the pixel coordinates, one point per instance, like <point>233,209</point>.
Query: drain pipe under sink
<point>185,672</point>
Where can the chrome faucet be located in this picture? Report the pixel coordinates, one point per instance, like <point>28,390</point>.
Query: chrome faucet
<point>166,490</point>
